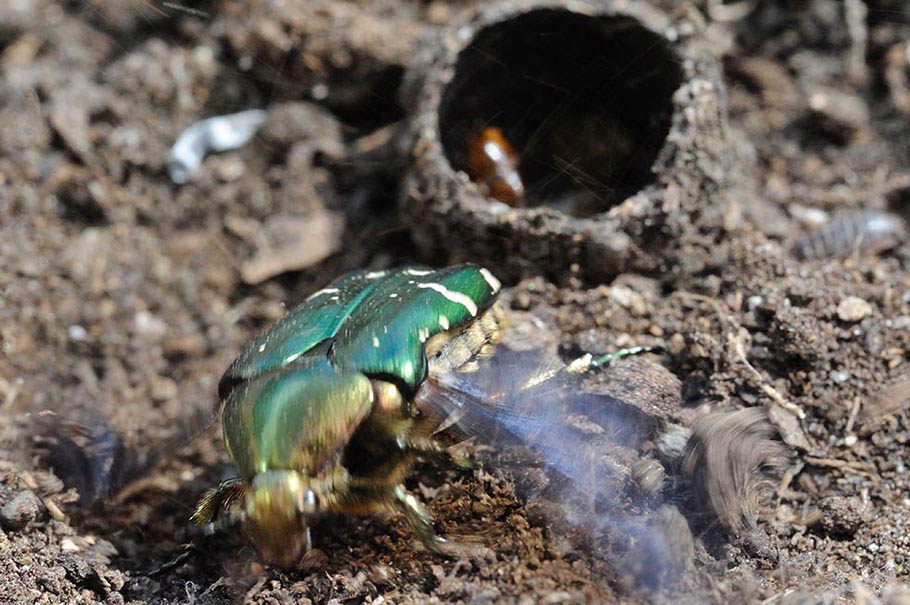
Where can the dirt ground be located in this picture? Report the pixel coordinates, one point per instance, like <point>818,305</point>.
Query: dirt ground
<point>125,296</point>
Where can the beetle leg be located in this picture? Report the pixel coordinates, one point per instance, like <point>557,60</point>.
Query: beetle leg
<point>221,506</point>
<point>420,521</point>
<point>187,552</point>
<point>432,447</point>
<point>588,362</point>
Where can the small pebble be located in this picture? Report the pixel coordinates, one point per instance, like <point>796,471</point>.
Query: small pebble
<point>853,309</point>
<point>522,301</point>
<point>676,344</point>
<point>114,598</point>
<point>23,508</point>
<point>77,333</point>
<point>147,324</point>
<point>68,545</point>
<point>838,376</point>
<point>382,575</point>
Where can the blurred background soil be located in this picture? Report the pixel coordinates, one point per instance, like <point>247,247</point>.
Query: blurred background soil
<point>128,295</point>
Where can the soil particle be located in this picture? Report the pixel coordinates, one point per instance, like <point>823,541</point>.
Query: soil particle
<point>853,309</point>
<point>20,510</point>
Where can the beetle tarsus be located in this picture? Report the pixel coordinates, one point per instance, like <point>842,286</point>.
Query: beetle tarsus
<point>420,521</point>
<point>605,360</point>
<point>188,551</point>
<point>220,506</point>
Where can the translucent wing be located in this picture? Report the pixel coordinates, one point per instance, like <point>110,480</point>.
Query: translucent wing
<point>521,398</point>
<point>589,445</point>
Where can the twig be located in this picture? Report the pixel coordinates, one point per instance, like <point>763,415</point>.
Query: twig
<point>761,382</point>
<point>860,468</point>
<point>854,412</point>
<point>736,340</point>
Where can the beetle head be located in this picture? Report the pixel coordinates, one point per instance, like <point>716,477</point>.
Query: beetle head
<point>275,516</point>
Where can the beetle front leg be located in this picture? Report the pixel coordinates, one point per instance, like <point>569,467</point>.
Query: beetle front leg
<point>420,521</point>
<point>221,506</point>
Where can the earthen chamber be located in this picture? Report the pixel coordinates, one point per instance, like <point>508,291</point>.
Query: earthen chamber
<point>617,113</point>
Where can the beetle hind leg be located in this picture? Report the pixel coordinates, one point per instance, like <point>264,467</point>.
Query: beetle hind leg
<point>588,362</point>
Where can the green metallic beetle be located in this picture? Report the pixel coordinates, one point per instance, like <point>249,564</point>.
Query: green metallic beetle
<point>322,412</point>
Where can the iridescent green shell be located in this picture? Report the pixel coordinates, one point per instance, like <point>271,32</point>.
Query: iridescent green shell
<point>295,396</point>
<point>376,322</point>
<point>295,419</point>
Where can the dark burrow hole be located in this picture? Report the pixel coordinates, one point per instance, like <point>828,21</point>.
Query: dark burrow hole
<point>585,101</point>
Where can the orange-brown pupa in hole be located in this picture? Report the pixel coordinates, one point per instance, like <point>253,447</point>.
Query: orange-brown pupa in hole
<point>493,164</point>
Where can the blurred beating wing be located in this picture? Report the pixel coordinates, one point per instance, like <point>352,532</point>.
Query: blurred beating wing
<point>519,397</point>
<point>87,453</point>
<point>588,444</point>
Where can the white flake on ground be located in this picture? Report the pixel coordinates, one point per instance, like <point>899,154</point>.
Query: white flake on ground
<point>218,133</point>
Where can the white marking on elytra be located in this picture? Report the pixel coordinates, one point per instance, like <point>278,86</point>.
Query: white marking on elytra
<point>423,334</point>
<point>375,274</point>
<point>417,272</point>
<point>393,295</point>
<point>335,298</point>
<point>291,357</point>
<point>321,292</point>
<point>495,285</point>
<point>262,347</point>
<point>443,322</point>
<point>375,341</point>
<point>456,297</point>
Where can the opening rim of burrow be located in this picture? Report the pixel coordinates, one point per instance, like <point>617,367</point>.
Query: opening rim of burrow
<point>545,103</point>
